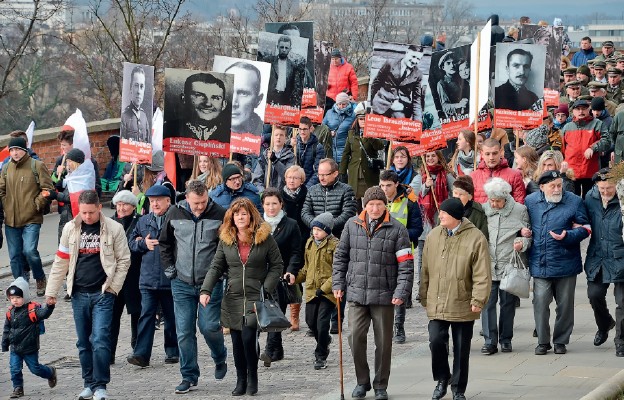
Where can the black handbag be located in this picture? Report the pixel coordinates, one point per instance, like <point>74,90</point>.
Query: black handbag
<point>269,315</point>
<point>292,293</point>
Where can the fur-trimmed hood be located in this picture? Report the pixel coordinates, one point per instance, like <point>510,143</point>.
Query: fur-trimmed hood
<point>263,232</point>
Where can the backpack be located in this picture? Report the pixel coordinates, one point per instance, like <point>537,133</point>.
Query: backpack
<point>33,167</point>
<point>32,315</point>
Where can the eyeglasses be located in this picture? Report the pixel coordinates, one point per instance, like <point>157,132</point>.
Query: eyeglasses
<point>235,178</point>
<point>325,175</point>
<point>294,178</point>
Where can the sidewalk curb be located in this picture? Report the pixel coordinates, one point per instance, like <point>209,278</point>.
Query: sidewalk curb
<point>610,389</point>
<point>46,261</point>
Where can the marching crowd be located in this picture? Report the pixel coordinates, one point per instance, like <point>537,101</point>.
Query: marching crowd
<point>320,207</point>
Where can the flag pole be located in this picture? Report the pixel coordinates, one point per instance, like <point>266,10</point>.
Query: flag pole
<point>476,116</point>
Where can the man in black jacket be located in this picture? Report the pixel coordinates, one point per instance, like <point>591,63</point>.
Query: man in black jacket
<point>188,242</point>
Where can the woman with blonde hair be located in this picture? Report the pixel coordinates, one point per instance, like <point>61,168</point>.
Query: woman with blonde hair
<point>249,255</point>
<point>526,159</point>
<point>565,63</point>
<point>552,160</point>
<point>208,170</point>
<point>463,161</point>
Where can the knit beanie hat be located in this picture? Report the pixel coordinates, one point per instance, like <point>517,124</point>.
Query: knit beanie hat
<point>15,291</point>
<point>229,170</point>
<point>562,109</point>
<point>374,193</point>
<point>464,183</point>
<point>598,104</point>
<point>18,142</point>
<point>453,207</point>
<point>125,196</point>
<point>75,155</point>
<point>336,53</point>
<point>342,97</point>
<point>325,221</point>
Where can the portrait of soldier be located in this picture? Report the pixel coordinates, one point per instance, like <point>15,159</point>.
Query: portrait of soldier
<point>287,76</point>
<point>396,91</point>
<point>205,110</point>
<point>513,94</point>
<point>135,125</point>
<point>246,99</point>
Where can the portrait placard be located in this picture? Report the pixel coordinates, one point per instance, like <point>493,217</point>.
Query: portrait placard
<point>313,102</point>
<point>251,81</point>
<point>198,112</point>
<point>137,98</point>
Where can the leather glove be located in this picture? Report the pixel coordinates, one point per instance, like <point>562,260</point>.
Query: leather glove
<point>319,293</point>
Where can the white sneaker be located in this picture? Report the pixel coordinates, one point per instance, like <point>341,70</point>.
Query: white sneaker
<point>86,394</point>
<point>100,394</point>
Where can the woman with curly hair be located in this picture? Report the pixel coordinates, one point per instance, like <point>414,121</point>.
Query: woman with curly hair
<point>526,159</point>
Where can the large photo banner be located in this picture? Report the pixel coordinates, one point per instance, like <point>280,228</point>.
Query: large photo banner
<point>313,102</point>
<point>137,99</point>
<point>198,112</point>
<point>251,81</point>
<point>552,39</point>
<point>288,57</point>
<point>519,85</point>
<point>396,93</point>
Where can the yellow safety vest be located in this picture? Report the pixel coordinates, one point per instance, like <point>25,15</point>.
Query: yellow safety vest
<point>398,210</point>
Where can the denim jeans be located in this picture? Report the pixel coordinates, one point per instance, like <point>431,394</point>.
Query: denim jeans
<point>93,313</point>
<point>22,243</point>
<point>32,361</point>
<point>150,298</point>
<point>189,315</point>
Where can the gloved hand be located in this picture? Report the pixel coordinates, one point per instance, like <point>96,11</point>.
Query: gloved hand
<point>50,195</point>
<point>171,272</point>
<point>319,293</point>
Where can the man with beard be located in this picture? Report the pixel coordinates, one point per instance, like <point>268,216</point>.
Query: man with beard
<point>513,94</point>
<point>134,122</point>
<point>396,91</point>
<point>559,222</point>
<point>286,81</point>
<point>583,138</point>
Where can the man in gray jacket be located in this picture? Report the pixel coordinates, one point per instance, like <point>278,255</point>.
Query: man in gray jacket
<point>376,253</point>
<point>188,242</point>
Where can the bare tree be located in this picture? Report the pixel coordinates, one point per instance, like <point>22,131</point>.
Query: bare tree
<point>457,19</point>
<point>282,10</point>
<point>20,37</point>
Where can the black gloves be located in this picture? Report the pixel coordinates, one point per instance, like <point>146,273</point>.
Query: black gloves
<point>319,293</point>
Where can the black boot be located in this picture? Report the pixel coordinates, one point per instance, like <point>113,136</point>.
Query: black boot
<point>277,354</point>
<point>252,383</point>
<point>241,385</point>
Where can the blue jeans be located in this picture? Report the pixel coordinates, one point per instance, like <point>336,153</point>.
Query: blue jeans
<point>22,243</point>
<point>150,298</point>
<point>93,314</point>
<point>189,315</point>
<point>32,361</point>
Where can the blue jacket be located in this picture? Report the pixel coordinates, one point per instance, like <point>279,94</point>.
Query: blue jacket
<point>582,56</point>
<point>339,121</point>
<point>606,247</point>
<point>224,196</point>
<point>152,274</point>
<point>550,258</point>
<point>308,157</point>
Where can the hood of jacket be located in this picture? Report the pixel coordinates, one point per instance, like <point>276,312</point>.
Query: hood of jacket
<point>22,284</point>
<point>494,19</point>
<point>261,234</point>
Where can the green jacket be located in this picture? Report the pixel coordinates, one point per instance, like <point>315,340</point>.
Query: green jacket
<point>318,267</point>
<point>616,131</point>
<point>354,161</point>
<point>20,193</point>
<point>264,267</point>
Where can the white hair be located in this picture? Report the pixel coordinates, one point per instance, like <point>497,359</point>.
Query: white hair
<point>497,188</point>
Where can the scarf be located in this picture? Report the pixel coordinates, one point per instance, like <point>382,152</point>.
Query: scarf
<point>468,209</point>
<point>292,193</point>
<point>274,221</point>
<point>405,174</point>
<point>465,161</point>
<point>440,187</point>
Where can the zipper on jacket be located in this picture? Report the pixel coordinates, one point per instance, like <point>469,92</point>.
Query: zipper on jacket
<point>244,268</point>
<point>194,246</point>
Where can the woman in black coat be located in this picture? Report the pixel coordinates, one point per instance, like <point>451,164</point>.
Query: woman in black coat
<point>294,194</point>
<point>286,233</point>
<point>129,296</point>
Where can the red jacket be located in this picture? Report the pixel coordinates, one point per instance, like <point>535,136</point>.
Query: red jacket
<point>341,78</point>
<point>578,137</point>
<point>502,170</point>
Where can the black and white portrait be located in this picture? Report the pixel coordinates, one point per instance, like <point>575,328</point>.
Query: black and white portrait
<point>304,29</point>
<point>322,62</point>
<point>396,90</point>
<point>198,105</point>
<point>449,79</point>
<point>288,58</point>
<point>519,76</point>
<point>552,39</point>
<point>251,81</point>
<point>136,103</point>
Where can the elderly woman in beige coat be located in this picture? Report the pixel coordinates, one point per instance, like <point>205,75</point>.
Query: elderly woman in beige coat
<point>508,224</point>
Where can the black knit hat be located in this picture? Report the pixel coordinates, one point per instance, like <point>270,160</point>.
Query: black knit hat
<point>598,104</point>
<point>18,142</point>
<point>229,170</point>
<point>453,207</point>
<point>324,221</point>
<point>75,155</point>
<point>464,183</point>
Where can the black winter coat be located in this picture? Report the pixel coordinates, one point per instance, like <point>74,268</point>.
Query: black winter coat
<point>337,199</point>
<point>293,207</point>
<point>288,240</point>
<point>130,289</point>
<point>20,333</point>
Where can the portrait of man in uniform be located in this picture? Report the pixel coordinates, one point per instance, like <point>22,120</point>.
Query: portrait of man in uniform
<point>136,125</point>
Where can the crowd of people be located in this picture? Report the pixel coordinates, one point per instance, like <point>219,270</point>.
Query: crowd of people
<point>320,207</point>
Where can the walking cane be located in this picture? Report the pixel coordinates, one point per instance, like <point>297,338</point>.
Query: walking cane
<point>340,350</point>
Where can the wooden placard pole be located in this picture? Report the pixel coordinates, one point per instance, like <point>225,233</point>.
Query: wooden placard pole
<point>135,167</point>
<point>435,200</point>
<point>231,156</point>
<point>195,163</point>
<point>389,156</point>
<point>517,135</point>
<point>295,132</point>
<point>269,163</point>
<point>476,116</point>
